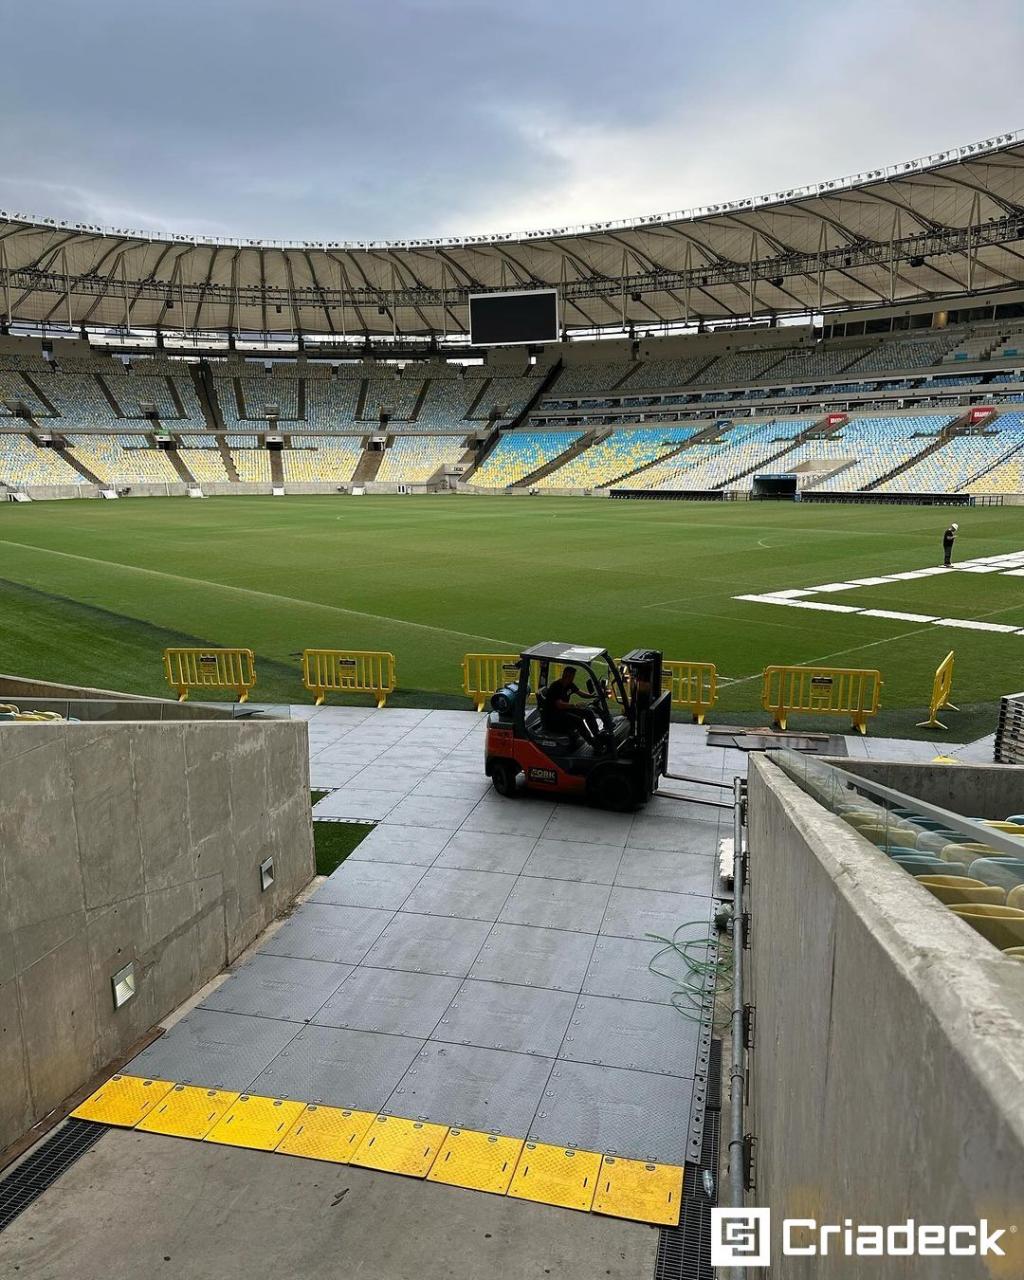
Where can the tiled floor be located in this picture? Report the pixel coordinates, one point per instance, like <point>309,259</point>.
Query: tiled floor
<point>477,961</point>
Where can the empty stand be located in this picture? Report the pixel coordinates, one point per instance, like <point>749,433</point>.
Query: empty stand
<point>23,463</point>
<point>123,460</point>
<point>519,453</point>
<point>319,459</point>
<point>414,460</point>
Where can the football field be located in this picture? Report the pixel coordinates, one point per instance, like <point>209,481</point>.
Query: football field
<point>91,592</point>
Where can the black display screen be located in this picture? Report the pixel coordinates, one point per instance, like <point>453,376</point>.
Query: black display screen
<point>502,319</point>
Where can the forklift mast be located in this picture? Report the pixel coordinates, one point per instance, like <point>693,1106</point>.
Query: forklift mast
<point>648,709</point>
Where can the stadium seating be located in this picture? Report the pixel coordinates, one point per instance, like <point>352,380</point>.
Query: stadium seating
<point>24,463</point>
<point>738,367</point>
<point>879,445</point>
<point>252,465</point>
<point>904,353</point>
<point>14,387</point>
<point>517,453</point>
<point>79,400</point>
<point>321,459</point>
<point>261,389</point>
<point>652,374</point>
<point>621,452</point>
<point>123,460</point>
<point>748,447</point>
<point>331,406</point>
<point>447,402</point>
<point>395,395</point>
<point>956,464</point>
<point>810,364</point>
<point>413,460</point>
<point>205,465</point>
<point>509,394</point>
<point>589,379</point>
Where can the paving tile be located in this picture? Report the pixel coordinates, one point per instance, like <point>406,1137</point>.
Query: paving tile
<point>446,812</point>
<point>620,967</point>
<point>632,1034</point>
<point>518,817</point>
<point>398,1002</point>
<point>573,860</point>
<point>385,777</point>
<point>370,884</point>
<point>415,846</point>
<point>454,785</point>
<point>358,806</point>
<point>495,1015</point>
<point>269,986</point>
<point>479,851</point>
<point>664,869</point>
<point>339,1068</point>
<point>579,822</point>
<point>330,775</point>
<point>553,958</point>
<point>215,1050</point>
<point>321,932</point>
<point>632,1114</point>
<point>470,895</point>
<point>556,904</point>
<point>683,835</point>
<point>429,944</point>
<point>635,913</point>
<point>470,1088</point>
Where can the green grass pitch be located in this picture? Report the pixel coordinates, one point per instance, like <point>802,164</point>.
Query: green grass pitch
<point>91,592</point>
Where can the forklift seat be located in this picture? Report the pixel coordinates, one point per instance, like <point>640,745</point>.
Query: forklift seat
<point>560,741</point>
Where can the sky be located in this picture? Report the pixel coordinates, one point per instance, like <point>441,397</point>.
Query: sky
<point>375,119</point>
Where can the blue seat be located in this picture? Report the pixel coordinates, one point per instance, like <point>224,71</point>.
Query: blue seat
<point>1007,873</point>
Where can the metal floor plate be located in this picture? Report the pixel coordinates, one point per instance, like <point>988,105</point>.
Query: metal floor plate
<point>216,1050</point>
<point>370,884</point>
<point>389,1000</point>
<point>429,944</point>
<point>281,987</point>
<point>496,1015</point>
<point>631,1034</point>
<point>534,957</point>
<point>318,931</point>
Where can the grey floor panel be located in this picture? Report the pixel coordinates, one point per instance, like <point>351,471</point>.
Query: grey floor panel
<point>384,885</point>
<point>502,817</point>
<point>472,1088</point>
<point>666,869</point>
<point>535,957</point>
<point>429,944</point>
<point>415,846</point>
<point>470,895</point>
<point>619,967</point>
<point>556,904</point>
<point>676,832</point>
<point>635,913</point>
<point>318,931</point>
<point>357,1069</point>
<point>445,812</point>
<point>495,1015</point>
<point>478,851</point>
<point>592,826</point>
<point>383,777</point>
<point>215,1050</point>
<point>269,986</point>
<point>632,1114</point>
<point>574,860</point>
<point>391,1000</point>
<point>445,784</point>
<point>358,806</point>
<point>632,1034</point>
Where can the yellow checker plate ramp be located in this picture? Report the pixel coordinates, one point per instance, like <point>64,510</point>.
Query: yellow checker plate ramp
<point>188,1111</point>
<point>327,1133</point>
<point>639,1191</point>
<point>256,1122</point>
<point>123,1100</point>
<point>554,1175</point>
<point>400,1146</point>
<point>479,1161</point>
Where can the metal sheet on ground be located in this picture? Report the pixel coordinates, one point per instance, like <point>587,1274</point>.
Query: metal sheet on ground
<point>188,1112</point>
<point>554,1175</point>
<point>123,1100</point>
<point>638,1191</point>
<point>326,1133</point>
<point>394,1145</point>
<point>259,1123</point>
<point>479,1161</point>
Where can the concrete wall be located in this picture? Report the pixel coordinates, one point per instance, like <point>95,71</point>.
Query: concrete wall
<point>135,842</point>
<point>887,1074</point>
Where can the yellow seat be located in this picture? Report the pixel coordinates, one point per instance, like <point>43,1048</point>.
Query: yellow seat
<point>1015,898</point>
<point>1015,953</point>
<point>962,890</point>
<point>886,833</point>
<point>967,852</point>
<point>1002,926</point>
<point>1011,828</point>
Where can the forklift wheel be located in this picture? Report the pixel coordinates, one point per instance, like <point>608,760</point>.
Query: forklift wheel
<point>503,775</point>
<point>615,790</point>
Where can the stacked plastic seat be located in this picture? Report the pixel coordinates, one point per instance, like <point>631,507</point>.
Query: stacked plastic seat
<point>583,380</point>
<point>653,374</point>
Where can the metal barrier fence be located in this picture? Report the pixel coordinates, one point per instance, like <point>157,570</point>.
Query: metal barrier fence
<point>187,669</point>
<point>694,686</point>
<point>348,671</point>
<point>821,691</point>
<point>942,687</point>
<point>483,673</point>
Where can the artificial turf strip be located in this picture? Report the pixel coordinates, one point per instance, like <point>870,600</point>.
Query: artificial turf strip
<point>91,592</point>
<point>334,841</point>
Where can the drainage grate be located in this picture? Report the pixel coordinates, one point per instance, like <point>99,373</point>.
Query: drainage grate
<point>45,1165</point>
<point>714,1100</point>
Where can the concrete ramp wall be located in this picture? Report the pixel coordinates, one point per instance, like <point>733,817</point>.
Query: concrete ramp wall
<point>131,842</point>
<point>887,1074</point>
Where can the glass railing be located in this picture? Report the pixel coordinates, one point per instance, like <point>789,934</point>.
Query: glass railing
<point>23,709</point>
<point>975,865</point>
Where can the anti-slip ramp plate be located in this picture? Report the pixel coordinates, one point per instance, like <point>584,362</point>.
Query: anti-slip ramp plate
<point>259,1123</point>
<point>477,1161</point>
<point>123,1101</point>
<point>188,1112</point>
<point>400,1146</point>
<point>638,1191</point>
<point>327,1133</point>
<point>557,1176</point>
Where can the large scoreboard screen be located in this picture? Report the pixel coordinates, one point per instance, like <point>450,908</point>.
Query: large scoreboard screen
<point>505,319</point>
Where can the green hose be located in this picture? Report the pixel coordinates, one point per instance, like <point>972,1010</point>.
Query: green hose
<point>699,974</point>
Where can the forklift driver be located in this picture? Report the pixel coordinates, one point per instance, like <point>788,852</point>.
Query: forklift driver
<point>559,716</point>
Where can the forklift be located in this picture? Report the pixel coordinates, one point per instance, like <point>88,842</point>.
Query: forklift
<point>618,752</point>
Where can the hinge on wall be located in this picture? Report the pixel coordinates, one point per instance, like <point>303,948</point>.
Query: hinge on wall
<point>749,1172</point>
<point>749,1017</point>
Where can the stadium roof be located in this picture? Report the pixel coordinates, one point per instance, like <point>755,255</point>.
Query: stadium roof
<point>948,225</point>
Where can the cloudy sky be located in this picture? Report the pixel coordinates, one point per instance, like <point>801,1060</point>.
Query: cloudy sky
<point>356,119</point>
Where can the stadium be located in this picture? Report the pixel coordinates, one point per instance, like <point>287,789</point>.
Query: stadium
<point>306,849</point>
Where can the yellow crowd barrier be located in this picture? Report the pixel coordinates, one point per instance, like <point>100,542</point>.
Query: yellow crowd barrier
<point>821,691</point>
<point>348,671</point>
<point>694,686</point>
<point>187,669</point>
<point>942,687</point>
<point>483,673</point>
